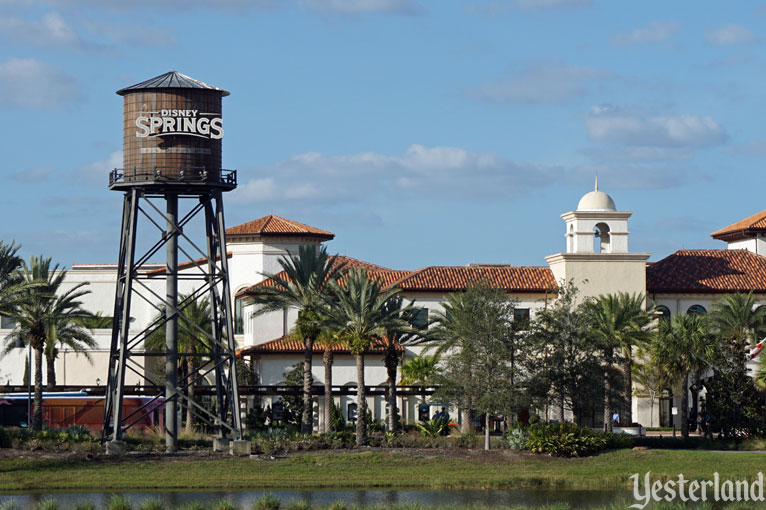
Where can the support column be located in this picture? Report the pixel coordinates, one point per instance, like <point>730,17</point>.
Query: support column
<point>171,327</point>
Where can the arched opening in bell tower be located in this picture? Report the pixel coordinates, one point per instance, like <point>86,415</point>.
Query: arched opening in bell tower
<point>601,238</point>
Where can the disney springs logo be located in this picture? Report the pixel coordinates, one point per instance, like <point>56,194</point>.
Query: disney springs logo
<point>179,122</point>
<point>696,490</point>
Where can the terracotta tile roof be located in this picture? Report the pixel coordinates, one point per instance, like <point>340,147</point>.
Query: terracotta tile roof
<point>291,345</point>
<point>743,228</point>
<point>277,226</point>
<point>385,275</point>
<point>185,265</point>
<point>458,278</point>
<point>708,271</point>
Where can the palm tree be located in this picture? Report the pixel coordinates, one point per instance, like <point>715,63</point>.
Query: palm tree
<point>619,321</point>
<point>193,325</point>
<point>395,335</point>
<point>739,320</point>
<point>359,312</point>
<point>681,347</point>
<point>11,284</point>
<point>421,371</point>
<point>328,340</point>
<point>40,313</point>
<point>305,286</point>
<point>67,332</point>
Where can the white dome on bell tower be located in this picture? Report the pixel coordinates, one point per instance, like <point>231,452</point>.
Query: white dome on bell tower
<point>596,201</point>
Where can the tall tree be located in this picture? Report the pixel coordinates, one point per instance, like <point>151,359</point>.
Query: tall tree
<point>360,313</point>
<point>738,321</point>
<point>564,363</point>
<point>194,327</point>
<point>482,369</point>
<point>66,332</point>
<point>44,307</point>
<point>329,340</point>
<point>619,321</point>
<point>683,346</point>
<point>397,334</point>
<point>305,287</point>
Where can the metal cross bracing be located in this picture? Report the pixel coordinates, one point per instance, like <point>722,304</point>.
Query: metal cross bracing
<point>210,272</point>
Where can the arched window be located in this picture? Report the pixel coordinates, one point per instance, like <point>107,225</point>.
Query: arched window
<point>696,309</point>
<point>601,238</point>
<point>663,312</point>
<point>239,321</point>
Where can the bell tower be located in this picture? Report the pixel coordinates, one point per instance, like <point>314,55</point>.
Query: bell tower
<point>597,257</point>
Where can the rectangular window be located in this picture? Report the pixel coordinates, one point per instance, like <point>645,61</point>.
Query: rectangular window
<point>420,318</point>
<point>7,322</point>
<point>521,317</point>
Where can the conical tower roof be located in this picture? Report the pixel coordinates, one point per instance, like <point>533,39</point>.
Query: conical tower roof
<point>171,80</point>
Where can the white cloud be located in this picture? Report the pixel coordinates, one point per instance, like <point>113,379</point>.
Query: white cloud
<point>614,125</point>
<point>406,7</point>
<point>428,172</point>
<point>730,34</point>
<point>541,83</point>
<point>656,31</point>
<point>34,84</point>
<point>98,171</point>
<point>51,30</point>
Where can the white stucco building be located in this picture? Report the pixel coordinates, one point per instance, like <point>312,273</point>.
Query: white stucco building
<point>596,255</point>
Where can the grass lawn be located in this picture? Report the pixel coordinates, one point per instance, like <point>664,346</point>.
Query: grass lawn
<point>374,469</point>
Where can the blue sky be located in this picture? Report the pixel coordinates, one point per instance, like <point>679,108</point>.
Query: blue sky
<point>420,132</point>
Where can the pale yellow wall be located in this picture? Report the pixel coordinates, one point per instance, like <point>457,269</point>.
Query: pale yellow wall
<point>599,274</point>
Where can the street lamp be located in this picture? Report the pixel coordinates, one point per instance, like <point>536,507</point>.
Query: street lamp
<point>20,345</point>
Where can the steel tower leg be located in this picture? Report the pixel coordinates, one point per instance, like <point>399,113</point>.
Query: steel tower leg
<point>215,308</point>
<point>121,319</point>
<point>227,309</point>
<point>171,327</point>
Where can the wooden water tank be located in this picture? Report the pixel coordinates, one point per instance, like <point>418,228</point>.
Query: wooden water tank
<point>172,133</point>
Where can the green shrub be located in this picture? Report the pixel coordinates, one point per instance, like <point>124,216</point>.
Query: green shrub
<point>225,504</point>
<point>196,505</point>
<point>565,440</point>
<point>618,441</point>
<point>338,505</point>
<point>117,502</point>
<point>84,505</point>
<point>48,503</point>
<point>517,438</point>
<point>9,504</point>
<point>300,504</point>
<point>267,502</point>
<point>433,428</point>
<point>152,504</point>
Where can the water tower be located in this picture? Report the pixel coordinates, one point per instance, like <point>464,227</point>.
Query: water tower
<point>172,131</point>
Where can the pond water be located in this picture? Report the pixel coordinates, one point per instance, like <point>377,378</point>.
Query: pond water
<point>433,498</point>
